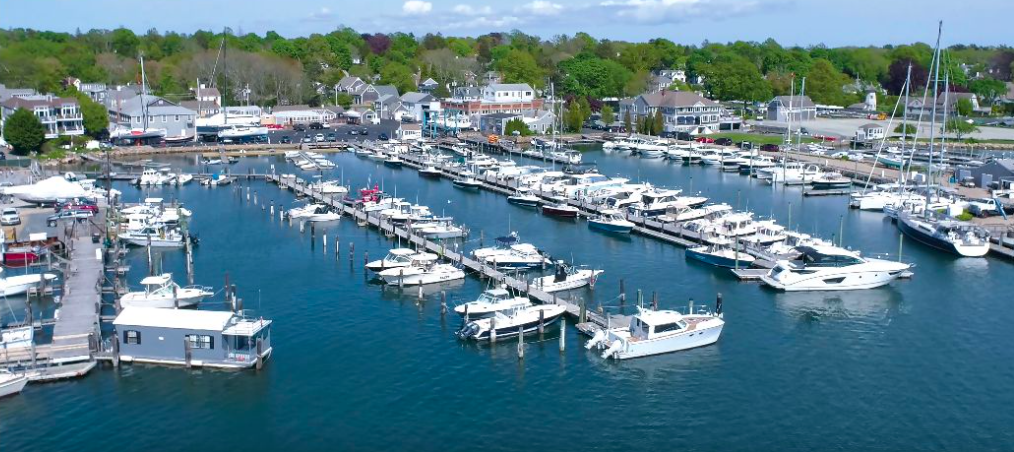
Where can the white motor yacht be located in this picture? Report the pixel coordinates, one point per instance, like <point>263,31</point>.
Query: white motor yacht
<point>401,257</point>
<point>161,292</point>
<point>156,235</point>
<point>832,268</point>
<point>658,332</point>
<point>415,275</point>
<point>491,302</point>
<point>19,284</point>
<point>512,322</point>
<point>567,277</point>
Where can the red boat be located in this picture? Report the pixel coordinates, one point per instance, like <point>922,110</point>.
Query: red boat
<point>560,210</point>
<point>21,254</point>
<point>369,194</point>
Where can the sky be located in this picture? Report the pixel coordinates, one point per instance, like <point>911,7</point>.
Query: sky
<point>790,22</point>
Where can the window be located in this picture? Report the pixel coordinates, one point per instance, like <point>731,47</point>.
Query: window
<point>132,337</point>
<point>177,118</point>
<point>201,341</point>
<point>666,327</point>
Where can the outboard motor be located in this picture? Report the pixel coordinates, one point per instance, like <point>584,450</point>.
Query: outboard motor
<point>596,339</point>
<point>612,350</point>
<point>467,331</point>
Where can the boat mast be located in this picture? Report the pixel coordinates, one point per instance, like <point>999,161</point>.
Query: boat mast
<point>933,118</point>
<point>225,74</point>
<point>799,133</point>
<point>904,125</point>
<point>788,128</point>
<point>943,129</point>
<point>144,94</point>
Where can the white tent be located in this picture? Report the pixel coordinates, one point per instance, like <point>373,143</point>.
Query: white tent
<point>47,190</point>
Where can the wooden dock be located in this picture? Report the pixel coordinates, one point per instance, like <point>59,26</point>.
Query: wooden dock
<point>576,308</point>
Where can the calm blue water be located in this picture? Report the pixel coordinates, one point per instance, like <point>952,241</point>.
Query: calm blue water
<point>923,364</point>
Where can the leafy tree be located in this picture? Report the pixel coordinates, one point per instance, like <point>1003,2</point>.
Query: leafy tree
<point>518,66</point>
<point>960,127</point>
<point>736,78</point>
<point>588,75</point>
<point>517,125</point>
<point>988,90</point>
<point>24,132</point>
<point>573,117</point>
<point>964,107</point>
<point>441,92</point>
<point>897,71</point>
<point>905,129</point>
<point>608,117</point>
<point>345,100</point>
<point>626,122</point>
<point>125,42</point>
<point>657,125</point>
<point>398,75</point>
<point>824,84</point>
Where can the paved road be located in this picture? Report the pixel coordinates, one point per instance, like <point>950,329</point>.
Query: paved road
<point>342,131</point>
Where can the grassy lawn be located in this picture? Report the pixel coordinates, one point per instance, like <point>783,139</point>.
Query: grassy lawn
<point>757,138</point>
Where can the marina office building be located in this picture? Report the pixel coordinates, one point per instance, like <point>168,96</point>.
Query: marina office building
<point>682,111</point>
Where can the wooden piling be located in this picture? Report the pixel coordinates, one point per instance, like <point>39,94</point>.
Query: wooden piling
<point>492,330</point>
<point>187,352</point>
<point>521,342</point>
<point>623,292</point>
<point>563,334</point>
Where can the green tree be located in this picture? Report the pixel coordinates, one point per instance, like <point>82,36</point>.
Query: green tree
<point>736,78</point>
<point>964,107</point>
<point>573,118</point>
<point>345,100</point>
<point>960,127</point>
<point>516,125</point>
<point>988,90</point>
<point>518,66</point>
<point>125,42</point>
<point>657,125</point>
<point>824,84</point>
<point>608,117</point>
<point>587,75</point>
<point>24,132</point>
<point>905,129</point>
<point>399,75</point>
<point>627,123</point>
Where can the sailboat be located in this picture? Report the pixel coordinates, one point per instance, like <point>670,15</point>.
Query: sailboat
<point>930,228</point>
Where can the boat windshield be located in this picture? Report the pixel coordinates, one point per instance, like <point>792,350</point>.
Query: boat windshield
<point>828,260</point>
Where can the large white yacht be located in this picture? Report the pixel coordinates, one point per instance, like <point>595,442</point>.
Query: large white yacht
<point>657,332</point>
<point>832,268</point>
<point>415,275</point>
<point>161,292</point>
<point>400,257</point>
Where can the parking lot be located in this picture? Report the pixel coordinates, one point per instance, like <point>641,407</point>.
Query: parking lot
<point>343,132</point>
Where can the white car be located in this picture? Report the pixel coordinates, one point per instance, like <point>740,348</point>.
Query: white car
<point>10,217</point>
<point>856,157</point>
<point>818,152</point>
<point>319,138</point>
<point>840,155</point>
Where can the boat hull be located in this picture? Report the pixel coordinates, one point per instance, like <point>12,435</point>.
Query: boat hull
<point>908,228</point>
<point>523,202</point>
<point>512,331</point>
<point>719,261</point>
<point>610,227</point>
<point>12,386</point>
<point>555,212</point>
<point>685,341</point>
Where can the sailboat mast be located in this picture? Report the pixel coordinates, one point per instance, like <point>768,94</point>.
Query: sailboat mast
<point>144,95</point>
<point>225,74</point>
<point>904,123</point>
<point>799,133</point>
<point>933,118</point>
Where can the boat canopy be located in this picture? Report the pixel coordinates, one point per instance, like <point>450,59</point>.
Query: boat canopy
<point>157,280</point>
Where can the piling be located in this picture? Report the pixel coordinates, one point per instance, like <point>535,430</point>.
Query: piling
<point>116,351</point>
<point>492,330</point>
<point>352,251</point>
<point>272,211</point>
<point>401,278</point>
<point>640,298</point>
<point>259,362</point>
<point>443,303</point>
<point>187,352</point>
<point>583,313</point>
<point>325,242</point>
<point>521,342</point>
<point>419,295</point>
<point>623,292</point>
<point>563,334</point>
<point>901,242</point>
<point>542,322</point>
<point>654,300</point>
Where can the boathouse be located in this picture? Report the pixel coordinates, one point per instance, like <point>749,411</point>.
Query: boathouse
<point>191,337</point>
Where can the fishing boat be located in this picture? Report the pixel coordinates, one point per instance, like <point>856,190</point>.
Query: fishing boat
<point>720,256</point>
<point>611,221</point>
<point>19,284</point>
<point>157,235</point>
<point>567,277</point>
<point>431,171</point>
<point>321,214</point>
<point>11,383</point>
<point>419,274</point>
<point>956,237</point>
<point>832,268</point>
<point>161,292</point>
<point>518,320</point>
<point>658,332</point>
<point>561,210</point>
<point>831,181</point>
<point>491,302</point>
<point>467,183</point>
<point>525,198</point>
<point>400,257</point>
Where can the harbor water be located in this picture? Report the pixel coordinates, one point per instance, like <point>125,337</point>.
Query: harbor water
<point>921,364</point>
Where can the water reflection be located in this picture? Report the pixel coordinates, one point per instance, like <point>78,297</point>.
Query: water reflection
<point>876,304</point>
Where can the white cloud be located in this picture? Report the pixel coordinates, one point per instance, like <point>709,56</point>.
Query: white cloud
<point>468,10</point>
<point>323,14</point>
<point>416,8</point>
<point>542,8</point>
<point>671,11</point>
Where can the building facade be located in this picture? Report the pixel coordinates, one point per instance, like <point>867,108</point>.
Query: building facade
<point>59,115</point>
<point>791,108</point>
<point>681,111</point>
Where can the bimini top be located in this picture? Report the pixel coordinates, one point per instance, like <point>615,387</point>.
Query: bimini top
<point>402,252</point>
<point>651,317</point>
<point>507,239</point>
<point>157,280</point>
<point>187,319</point>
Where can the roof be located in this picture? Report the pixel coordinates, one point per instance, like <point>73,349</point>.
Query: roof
<point>676,99</point>
<point>429,82</point>
<point>208,92</point>
<point>156,106</point>
<point>402,251</point>
<point>386,90</point>
<point>29,103</point>
<point>174,318</point>
<point>796,101</point>
<point>870,125</point>
<point>510,87</point>
<point>414,98</point>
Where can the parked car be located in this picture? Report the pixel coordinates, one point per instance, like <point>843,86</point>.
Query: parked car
<point>285,140</point>
<point>985,207</point>
<point>331,137</point>
<point>706,140</point>
<point>365,131</point>
<point>352,132</point>
<point>77,205</point>
<point>10,217</point>
<point>69,215</point>
<point>724,141</point>
<point>382,136</point>
<point>316,126</point>
<point>770,147</point>
<point>299,128</point>
<point>840,155</point>
<point>307,139</point>
<point>319,138</point>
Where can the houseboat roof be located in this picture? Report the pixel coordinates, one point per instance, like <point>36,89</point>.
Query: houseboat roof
<point>246,327</point>
<point>174,318</point>
<point>157,280</point>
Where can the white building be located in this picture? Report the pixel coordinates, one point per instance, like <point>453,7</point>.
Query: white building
<point>682,111</point>
<point>508,92</point>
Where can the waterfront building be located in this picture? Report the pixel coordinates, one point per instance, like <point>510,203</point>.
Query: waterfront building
<point>791,108</point>
<point>516,98</point>
<point>682,111</point>
<point>59,115</point>
<point>148,112</point>
<point>870,132</point>
<point>417,104</point>
<point>210,338</point>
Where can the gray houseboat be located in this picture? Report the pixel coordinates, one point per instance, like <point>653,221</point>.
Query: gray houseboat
<point>190,337</point>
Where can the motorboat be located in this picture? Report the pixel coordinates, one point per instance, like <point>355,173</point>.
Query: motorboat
<point>467,183</point>
<point>517,256</point>
<point>680,214</point>
<point>502,246</point>
<point>560,209</point>
<point>567,277</point>
<point>161,292</point>
<point>525,198</point>
<point>11,383</point>
<point>956,237</point>
<point>791,173</point>
<point>19,284</point>
<point>491,302</point>
<point>652,332</point>
<point>183,179</point>
<point>330,187</point>
<point>152,177</point>
<point>156,235</point>
<point>394,161</point>
<point>832,268</point>
<point>297,213</point>
<point>756,163</point>
<point>720,256</point>
<point>419,274</point>
<point>831,181</point>
<point>768,232</point>
<point>515,321</point>
<point>611,221</point>
<point>441,229</point>
<point>401,257</point>
<point>431,171</point>
<point>657,201</point>
<point>793,239</point>
<point>321,214</point>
